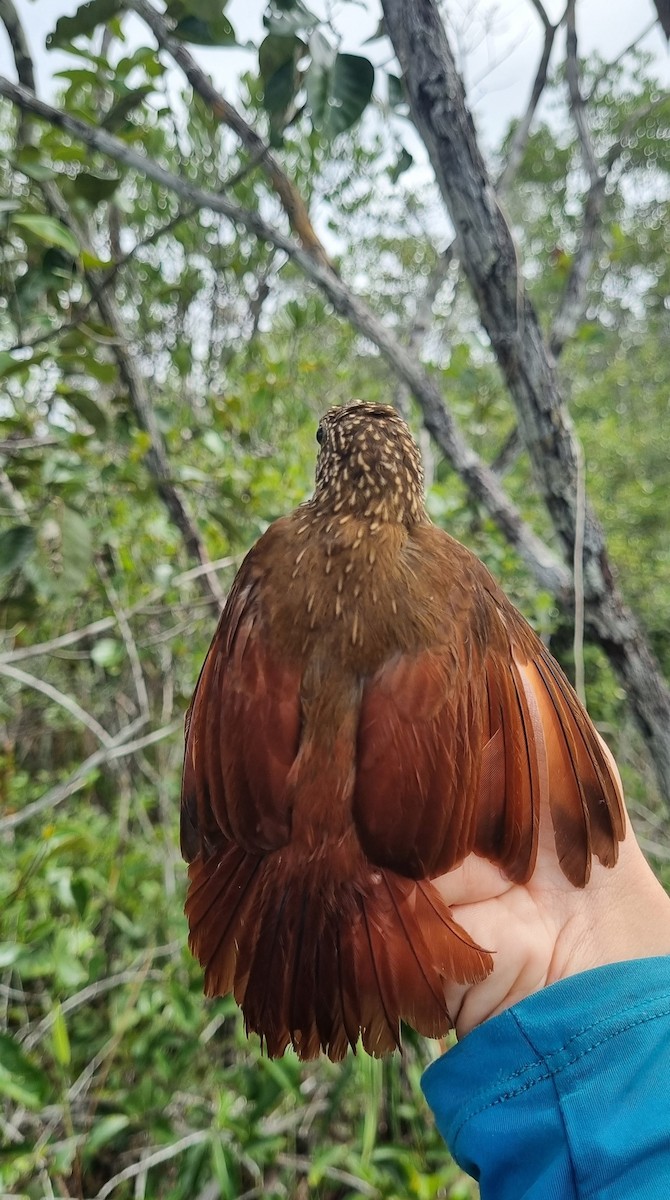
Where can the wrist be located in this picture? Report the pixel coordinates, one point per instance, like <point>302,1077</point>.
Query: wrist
<point>623,914</point>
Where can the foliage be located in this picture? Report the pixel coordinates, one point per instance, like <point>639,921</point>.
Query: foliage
<point>109,1055</point>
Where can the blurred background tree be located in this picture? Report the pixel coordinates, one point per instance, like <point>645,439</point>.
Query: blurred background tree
<point>162,369</point>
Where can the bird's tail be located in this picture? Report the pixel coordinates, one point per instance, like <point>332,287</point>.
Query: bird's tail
<point>316,963</point>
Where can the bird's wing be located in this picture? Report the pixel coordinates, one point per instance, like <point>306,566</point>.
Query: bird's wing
<point>242,732</point>
<point>462,745</point>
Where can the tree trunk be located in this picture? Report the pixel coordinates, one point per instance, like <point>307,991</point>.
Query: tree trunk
<point>491,263</point>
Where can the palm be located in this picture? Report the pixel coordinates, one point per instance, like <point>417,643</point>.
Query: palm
<point>537,931</point>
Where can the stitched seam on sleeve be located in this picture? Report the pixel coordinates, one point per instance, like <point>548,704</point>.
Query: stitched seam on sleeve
<point>574,1174</point>
<point>551,1074</point>
<point>537,1062</point>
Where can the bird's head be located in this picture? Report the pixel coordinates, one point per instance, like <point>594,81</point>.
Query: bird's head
<point>369,465</point>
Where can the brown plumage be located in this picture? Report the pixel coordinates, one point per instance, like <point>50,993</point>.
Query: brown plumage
<point>372,709</point>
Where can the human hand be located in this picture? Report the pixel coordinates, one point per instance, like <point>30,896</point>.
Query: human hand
<point>546,929</point>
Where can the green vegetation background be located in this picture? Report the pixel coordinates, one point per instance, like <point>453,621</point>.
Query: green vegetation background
<point>109,1055</point>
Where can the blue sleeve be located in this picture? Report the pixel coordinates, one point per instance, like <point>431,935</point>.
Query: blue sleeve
<point>565,1096</point>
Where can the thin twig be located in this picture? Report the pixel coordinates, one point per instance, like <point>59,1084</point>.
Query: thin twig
<point>91,992</point>
<point>615,61</point>
<point>12,446</point>
<point>121,746</point>
<point>105,623</point>
<point>60,698</point>
<point>304,1166</point>
<point>576,98</point>
<point>129,640</point>
<point>522,132</point>
<point>154,1160</point>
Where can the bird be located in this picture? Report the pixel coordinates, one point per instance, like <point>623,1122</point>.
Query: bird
<point>371,711</point>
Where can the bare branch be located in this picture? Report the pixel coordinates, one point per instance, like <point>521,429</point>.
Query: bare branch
<point>490,260</point>
<point>576,99</point>
<point>22,59</point>
<point>663,10</point>
<point>129,640</point>
<point>541,12</point>
<point>292,202</point>
<point>121,746</point>
<point>614,61</point>
<point>105,623</point>
<point>573,299</point>
<point>521,133</point>
<point>154,1160</point>
<point>16,445</point>
<point>75,710</point>
<point>550,572</point>
<point>508,453</point>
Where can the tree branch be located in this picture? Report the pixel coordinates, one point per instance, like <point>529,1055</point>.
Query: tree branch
<point>75,710</point>
<point>576,99</point>
<point>521,133</point>
<point>573,300</point>
<point>105,623</point>
<point>120,747</point>
<point>490,260</point>
<point>550,573</point>
<point>292,202</point>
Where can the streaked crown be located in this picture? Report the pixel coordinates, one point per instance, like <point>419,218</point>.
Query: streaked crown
<point>369,464</point>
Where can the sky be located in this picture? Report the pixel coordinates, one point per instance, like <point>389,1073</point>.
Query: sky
<point>498,42</point>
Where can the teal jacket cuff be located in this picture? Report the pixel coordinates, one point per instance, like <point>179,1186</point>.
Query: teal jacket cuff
<point>567,1094</point>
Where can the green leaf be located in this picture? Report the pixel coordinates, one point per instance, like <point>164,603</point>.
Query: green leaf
<point>107,653</point>
<point>10,365</point>
<point>318,79</point>
<point>92,262</point>
<point>275,50</point>
<point>10,953</point>
<point>94,188</point>
<point>76,549</point>
<point>280,89</point>
<point>290,18</point>
<point>396,90</point>
<point>403,163</point>
<point>123,107</point>
<point>60,1039</point>
<point>15,546</point>
<point>20,1079</point>
<point>353,80</point>
<point>104,372</point>
<point>48,230</point>
<point>30,163</point>
<point>104,1131</point>
<point>84,22</point>
<point>216,31</point>
<point>339,86</point>
<point>87,408</point>
<point>196,8</point>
